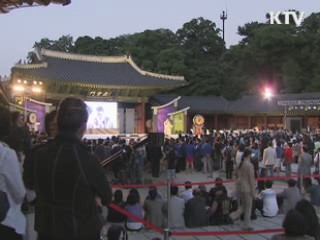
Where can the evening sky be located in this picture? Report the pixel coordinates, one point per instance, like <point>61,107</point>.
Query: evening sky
<point>111,18</point>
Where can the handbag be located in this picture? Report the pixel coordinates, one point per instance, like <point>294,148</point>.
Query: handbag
<point>4,205</point>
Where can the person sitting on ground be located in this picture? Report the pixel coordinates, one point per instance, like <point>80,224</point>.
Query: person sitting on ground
<point>187,194</point>
<point>153,209</point>
<point>312,192</point>
<point>158,197</point>
<point>295,227</point>
<point>205,195</point>
<point>195,214</point>
<point>218,186</point>
<point>117,233</point>
<point>176,209</point>
<point>114,216</point>
<point>220,209</point>
<point>289,196</point>
<point>267,201</point>
<point>134,207</point>
<point>311,218</point>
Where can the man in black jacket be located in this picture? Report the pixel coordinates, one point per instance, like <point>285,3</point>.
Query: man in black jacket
<point>69,182</point>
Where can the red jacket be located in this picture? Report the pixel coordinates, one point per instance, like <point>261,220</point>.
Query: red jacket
<point>288,154</point>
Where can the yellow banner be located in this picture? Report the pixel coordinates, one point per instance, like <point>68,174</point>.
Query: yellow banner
<point>178,123</point>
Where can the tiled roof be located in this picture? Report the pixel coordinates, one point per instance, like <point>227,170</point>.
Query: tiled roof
<point>93,71</point>
<point>258,104</point>
<point>7,5</point>
<point>201,105</point>
<point>244,105</point>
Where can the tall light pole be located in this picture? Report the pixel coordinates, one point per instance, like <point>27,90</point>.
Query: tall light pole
<point>223,17</point>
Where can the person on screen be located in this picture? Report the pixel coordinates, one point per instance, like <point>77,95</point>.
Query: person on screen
<point>101,120</point>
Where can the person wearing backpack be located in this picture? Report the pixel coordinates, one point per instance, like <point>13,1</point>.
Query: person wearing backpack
<point>13,226</point>
<point>228,153</point>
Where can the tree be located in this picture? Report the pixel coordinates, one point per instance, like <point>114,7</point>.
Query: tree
<point>202,47</point>
<point>63,44</point>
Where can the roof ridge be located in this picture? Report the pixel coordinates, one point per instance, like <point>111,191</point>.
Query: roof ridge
<point>32,65</point>
<point>151,74</point>
<point>107,59</point>
<point>83,57</point>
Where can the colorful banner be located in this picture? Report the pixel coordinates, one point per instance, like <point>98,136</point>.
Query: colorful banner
<point>40,113</point>
<point>178,123</point>
<point>162,116</point>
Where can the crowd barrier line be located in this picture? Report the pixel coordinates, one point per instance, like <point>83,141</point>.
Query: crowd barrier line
<point>210,182</point>
<point>229,233</point>
<point>135,218</point>
<point>185,234</point>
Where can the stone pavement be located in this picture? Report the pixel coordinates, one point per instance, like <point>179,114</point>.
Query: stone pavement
<point>260,224</point>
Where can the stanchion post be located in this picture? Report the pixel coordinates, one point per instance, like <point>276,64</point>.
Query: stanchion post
<point>301,184</point>
<point>167,230</point>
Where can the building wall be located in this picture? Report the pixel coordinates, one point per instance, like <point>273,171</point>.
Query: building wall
<point>261,121</point>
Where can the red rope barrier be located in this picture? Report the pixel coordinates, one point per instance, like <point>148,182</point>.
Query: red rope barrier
<point>229,233</point>
<point>130,215</point>
<point>208,183</point>
<point>216,233</point>
<point>185,234</point>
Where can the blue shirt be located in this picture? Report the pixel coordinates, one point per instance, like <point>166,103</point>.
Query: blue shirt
<point>179,149</point>
<point>190,150</point>
<point>207,149</point>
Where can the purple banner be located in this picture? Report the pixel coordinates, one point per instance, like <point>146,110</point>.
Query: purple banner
<point>163,116</point>
<point>40,113</point>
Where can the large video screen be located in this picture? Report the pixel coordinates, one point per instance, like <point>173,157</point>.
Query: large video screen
<point>103,118</point>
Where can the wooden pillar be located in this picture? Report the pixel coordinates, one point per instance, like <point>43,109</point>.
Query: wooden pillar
<point>216,121</point>
<point>265,121</point>
<point>304,121</point>
<point>155,120</point>
<point>186,129</point>
<point>249,122</point>
<point>143,118</point>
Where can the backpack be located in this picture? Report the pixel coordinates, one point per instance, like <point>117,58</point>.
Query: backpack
<point>4,205</point>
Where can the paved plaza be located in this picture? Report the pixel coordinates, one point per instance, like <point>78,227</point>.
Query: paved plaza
<point>260,224</point>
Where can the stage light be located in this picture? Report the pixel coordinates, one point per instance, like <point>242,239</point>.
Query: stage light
<point>267,93</point>
<point>19,81</point>
<point>36,90</point>
<point>25,82</point>
<point>18,88</point>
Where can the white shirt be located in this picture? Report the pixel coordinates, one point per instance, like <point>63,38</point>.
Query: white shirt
<point>11,183</point>
<point>187,195</point>
<point>269,156</point>
<point>238,158</point>
<point>270,205</point>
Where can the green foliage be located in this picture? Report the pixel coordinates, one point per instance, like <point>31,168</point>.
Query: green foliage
<point>284,56</point>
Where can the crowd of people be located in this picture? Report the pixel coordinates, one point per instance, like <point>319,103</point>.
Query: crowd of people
<point>58,176</point>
